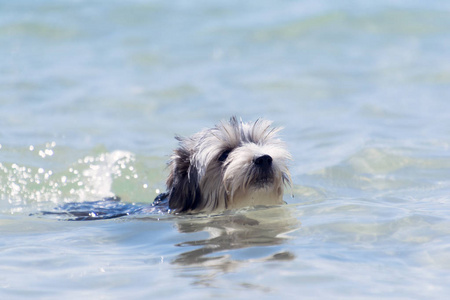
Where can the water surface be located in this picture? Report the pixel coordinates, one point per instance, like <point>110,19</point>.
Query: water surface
<point>92,94</point>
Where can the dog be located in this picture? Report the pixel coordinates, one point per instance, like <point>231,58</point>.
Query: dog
<point>230,166</point>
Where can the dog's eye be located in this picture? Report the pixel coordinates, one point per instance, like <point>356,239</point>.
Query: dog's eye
<point>224,155</point>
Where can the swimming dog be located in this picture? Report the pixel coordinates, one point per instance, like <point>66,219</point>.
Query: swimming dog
<point>230,166</point>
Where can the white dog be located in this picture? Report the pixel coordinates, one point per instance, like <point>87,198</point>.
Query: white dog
<point>232,165</point>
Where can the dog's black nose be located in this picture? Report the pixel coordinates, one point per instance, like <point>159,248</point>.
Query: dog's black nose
<point>264,161</point>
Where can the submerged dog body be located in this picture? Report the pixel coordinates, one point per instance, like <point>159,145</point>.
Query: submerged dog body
<point>230,166</point>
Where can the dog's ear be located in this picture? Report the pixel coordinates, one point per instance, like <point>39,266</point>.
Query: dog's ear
<point>182,183</point>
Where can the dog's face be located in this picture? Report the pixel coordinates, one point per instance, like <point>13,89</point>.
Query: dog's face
<point>232,165</point>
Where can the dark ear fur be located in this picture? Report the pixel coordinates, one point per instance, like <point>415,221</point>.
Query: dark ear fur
<point>182,183</point>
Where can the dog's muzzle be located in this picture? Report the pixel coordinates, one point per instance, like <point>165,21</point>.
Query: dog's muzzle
<point>263,162</point>
<point>263,172</point>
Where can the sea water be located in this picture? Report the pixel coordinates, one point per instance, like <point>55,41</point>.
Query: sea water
<point>92,94</point>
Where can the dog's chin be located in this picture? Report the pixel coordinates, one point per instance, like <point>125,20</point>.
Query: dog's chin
<point>263,182</point>
<point>262,192</point>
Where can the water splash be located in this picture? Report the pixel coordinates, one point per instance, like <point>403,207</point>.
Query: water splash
<point>45,182</point>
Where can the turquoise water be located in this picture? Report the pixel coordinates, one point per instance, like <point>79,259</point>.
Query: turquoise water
<point>92,94</point>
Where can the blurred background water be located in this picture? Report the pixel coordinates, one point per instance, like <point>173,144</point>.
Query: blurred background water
<point>92,94</point>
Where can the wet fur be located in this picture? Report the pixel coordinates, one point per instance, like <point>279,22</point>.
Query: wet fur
<point>215,169</point>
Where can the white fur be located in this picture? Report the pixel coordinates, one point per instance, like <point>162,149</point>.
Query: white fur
<point>199,181</point>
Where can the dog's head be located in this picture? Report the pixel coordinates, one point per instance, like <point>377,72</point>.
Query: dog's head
<point>232,165</point>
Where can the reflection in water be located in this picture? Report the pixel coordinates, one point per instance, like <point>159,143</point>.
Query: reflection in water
<point>231,231</point>
<point>257,230</point>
